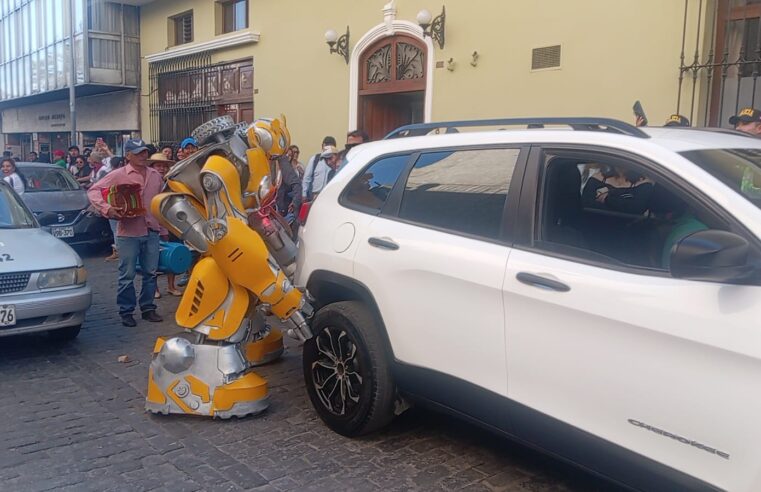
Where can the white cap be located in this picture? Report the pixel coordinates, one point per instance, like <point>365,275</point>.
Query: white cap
<point>329,150</point>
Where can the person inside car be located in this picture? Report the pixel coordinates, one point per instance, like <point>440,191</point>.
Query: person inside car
<point>618,190</point>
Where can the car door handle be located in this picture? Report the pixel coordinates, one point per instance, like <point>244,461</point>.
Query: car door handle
<point>383,243</point>
<point>542,282</point>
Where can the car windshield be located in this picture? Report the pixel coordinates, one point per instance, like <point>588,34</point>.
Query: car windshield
<point>740,169</point>
<point>48,179</point>
<point>13,214</point>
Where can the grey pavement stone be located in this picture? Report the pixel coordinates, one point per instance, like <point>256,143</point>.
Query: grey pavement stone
<point>74,421</point>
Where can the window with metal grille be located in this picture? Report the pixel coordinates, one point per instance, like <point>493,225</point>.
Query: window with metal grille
<point>183,28</point>
<point>235,15</point>
<point>545,57</point>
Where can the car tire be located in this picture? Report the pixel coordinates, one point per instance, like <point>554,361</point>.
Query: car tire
<point>65,334</point>
<point>347,371</point>
<point>221,125</point>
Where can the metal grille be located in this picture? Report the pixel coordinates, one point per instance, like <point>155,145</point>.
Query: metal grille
<point>546,57</point>
<point>187,28</point>
<point>13,282</point>
<point>174,118</point>
<point>183,28</point>
<point>716,81</point>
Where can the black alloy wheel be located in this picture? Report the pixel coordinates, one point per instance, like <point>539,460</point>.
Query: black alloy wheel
<point>346,370</point>
<point>335,373</point>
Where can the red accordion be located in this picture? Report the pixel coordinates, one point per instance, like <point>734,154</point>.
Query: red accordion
<point>125,197</point>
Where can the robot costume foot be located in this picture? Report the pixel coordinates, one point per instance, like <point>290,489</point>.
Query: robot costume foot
<point>265,350</point>
<point>199,379</point>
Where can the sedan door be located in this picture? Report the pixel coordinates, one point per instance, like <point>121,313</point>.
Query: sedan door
<point>612,361</point>
<point>435,262</point>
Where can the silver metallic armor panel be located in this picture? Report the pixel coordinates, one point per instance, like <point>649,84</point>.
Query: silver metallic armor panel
<point>215,365</point>
<point>179,212</point>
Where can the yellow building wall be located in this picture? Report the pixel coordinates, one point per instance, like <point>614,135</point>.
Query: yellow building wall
<point>613,53</point>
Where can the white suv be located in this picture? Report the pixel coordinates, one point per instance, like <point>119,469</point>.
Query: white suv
<point>617,328</point>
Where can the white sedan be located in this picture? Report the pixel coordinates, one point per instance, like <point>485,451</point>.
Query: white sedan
<point>43,284</point>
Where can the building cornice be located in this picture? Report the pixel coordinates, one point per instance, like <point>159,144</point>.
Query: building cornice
<point>220,42</point>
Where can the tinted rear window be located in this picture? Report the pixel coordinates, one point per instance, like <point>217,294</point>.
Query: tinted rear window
<point>462,191</point>
<point>369,190</point>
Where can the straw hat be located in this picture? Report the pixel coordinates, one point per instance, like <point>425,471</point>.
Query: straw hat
<point>159,157</point>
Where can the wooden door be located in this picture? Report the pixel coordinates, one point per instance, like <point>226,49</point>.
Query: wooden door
<point>392,85</point>
<point>382,113</point>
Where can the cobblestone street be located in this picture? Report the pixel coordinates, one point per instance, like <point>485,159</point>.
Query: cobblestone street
<point>73,419</point>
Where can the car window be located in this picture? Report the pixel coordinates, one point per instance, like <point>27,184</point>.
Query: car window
<point>462,191</point>
<point>48,179</point>
<point>740,169</point>
<point>369,190</point>
<point>13,215</point>
<point>614,211</point>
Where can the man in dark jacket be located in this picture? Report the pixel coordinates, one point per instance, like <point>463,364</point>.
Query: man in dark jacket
<point>288,198</point>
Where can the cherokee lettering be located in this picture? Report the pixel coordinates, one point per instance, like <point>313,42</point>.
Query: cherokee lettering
<point>679,438</point>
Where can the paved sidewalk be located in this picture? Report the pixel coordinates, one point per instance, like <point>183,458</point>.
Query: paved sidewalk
<point>73,419</point>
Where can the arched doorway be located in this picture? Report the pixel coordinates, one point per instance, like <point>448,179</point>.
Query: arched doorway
<point>392,84</point>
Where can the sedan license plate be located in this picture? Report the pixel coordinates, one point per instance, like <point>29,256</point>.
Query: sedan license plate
<point>62,231</point>
<point>7,315</point>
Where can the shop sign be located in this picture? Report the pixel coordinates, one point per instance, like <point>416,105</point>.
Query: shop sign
<point>56,120</point>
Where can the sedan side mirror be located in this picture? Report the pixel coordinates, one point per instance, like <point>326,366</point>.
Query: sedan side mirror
<point>711,256</point>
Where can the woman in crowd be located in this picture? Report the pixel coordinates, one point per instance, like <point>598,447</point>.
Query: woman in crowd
<point>81,170</point>
<point>11,176</point>
<point>168,152</point>
<point>293,154</point>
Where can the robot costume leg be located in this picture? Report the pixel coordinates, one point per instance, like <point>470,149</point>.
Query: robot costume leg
<point>188,377</point>
<point>205,371</point>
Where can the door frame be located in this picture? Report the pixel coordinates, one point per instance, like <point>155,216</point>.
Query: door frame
<point>375,34</point>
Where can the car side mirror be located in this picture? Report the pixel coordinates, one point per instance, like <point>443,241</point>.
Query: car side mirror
<point>711,256</point>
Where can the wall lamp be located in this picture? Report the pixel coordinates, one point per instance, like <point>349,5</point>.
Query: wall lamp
<point>337,44</point>
<point>433,27</point>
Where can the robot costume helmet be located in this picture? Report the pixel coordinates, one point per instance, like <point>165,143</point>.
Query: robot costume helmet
<point>271,134</point>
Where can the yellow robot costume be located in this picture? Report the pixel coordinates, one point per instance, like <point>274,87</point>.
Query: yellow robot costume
<point>219,197</point>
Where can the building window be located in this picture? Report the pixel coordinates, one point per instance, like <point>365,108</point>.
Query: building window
<point>234,15</point>
<point>182,25</point>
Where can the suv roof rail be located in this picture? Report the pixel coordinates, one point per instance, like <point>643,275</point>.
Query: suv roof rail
<point>714,129</point>
<point>582,124</point>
